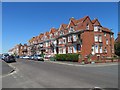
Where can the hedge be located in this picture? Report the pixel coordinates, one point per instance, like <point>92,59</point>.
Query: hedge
<point>67,57</point>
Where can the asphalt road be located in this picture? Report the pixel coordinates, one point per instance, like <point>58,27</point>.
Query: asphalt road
<point>38,74</point>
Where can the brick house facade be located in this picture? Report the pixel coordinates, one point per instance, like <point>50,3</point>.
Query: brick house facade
<point>19,50</point>
<point>83,36</point>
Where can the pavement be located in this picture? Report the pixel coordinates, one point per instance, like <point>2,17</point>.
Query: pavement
<point>6,69</point>
<point>84,65</point>
<point>38,74</point>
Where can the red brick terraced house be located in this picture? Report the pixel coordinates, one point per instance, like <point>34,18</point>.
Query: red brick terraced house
<point>83,36</point>
<point>19,50</point>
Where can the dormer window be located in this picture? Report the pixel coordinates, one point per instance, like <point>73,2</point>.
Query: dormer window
<point>50,35</point>
<point>45,37</point>
<point>56,33</point>
<point>87,27</point>
<point>24,47</point>
<point>111,35</point>
<point>61,32</point>
<point>71,29</point>
<point>96,28</point>
<point>104,33</point>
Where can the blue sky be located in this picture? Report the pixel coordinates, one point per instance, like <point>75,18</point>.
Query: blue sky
<point>22,21</point>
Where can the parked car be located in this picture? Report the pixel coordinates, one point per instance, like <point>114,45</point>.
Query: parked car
<point>8,58</point>
<point>47,56</point>
<point>21,57</point>
<point>38,58</point>
<point>31,57</point>
<point>25,57</point>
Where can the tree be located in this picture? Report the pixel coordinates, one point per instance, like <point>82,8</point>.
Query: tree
<point>117,48</point>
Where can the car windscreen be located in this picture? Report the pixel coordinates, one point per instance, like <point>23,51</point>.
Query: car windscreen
<point>38,55</point>
<point>6,55</point>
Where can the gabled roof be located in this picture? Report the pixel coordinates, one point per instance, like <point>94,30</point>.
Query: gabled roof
<point>73,20</point>
<point>41,35</point>
<point>52,30</point>
<point>82,19</point>
<point>106,29</point>
<point>64,26</point>
<point>96,22</point>
<point>46,33</point>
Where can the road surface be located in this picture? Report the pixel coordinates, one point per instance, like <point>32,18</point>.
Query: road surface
<point>38,74</point>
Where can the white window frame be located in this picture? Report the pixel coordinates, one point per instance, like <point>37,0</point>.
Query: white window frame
<point>105,50</point>
<point>56,33</point>
<point>25,47</point>
<point>96,38</point>
<point>47,44</point>
<point>100,49</point>
<point>69,38</point>
<point>105,34</point>
<point>93,50</point>
<point>60,50</point>
<point>75,48</point>
<point>64,50</point>
<point>100,38</point>
<point>70,49</point>
<point>51,35</point>
<point>74,37</point>
<point>111,36</point>
<point>87,27</point>
<point>96,48</point>
<point>64,40</point>
<point>107,42</point>
<point>71,29</point>
<point>61,32</point>
<point>96,28</point>
<point>60,41</point>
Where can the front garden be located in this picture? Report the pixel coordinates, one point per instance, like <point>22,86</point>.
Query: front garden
<point>87,60</point>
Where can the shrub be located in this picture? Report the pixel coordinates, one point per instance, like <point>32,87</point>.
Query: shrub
<point>67,57</point>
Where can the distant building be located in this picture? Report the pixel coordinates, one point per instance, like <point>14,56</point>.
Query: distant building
<point>118,38</point>
<point>19,50</point>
